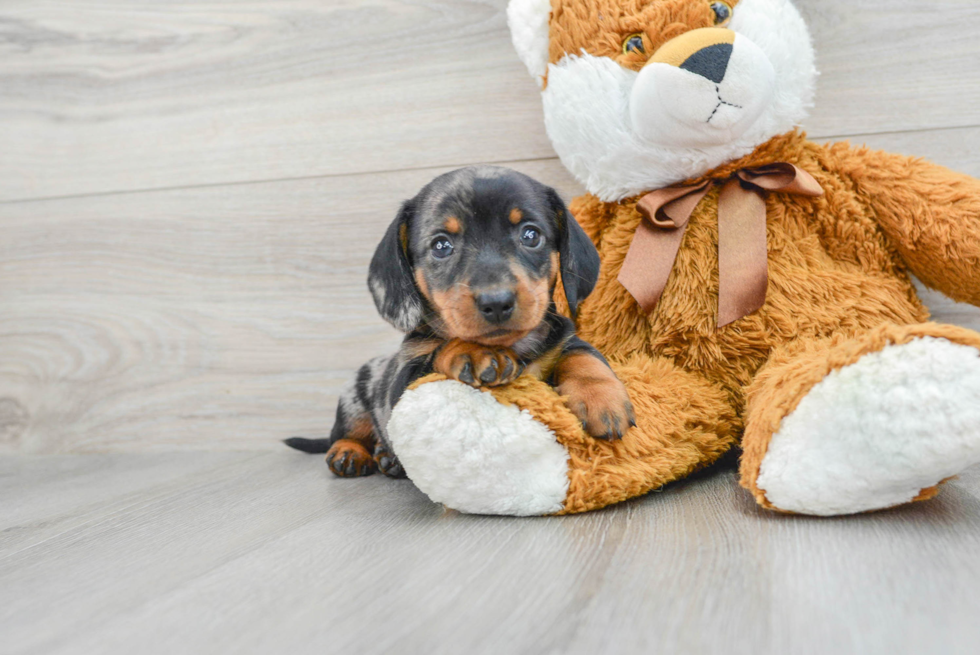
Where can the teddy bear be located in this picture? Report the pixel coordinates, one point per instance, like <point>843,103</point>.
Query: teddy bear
<point>755,290</point>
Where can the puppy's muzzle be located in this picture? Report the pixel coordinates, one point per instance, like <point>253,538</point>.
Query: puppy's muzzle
<point>496,306</point>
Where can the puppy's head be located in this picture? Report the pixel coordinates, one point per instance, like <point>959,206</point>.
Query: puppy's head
<point>476,255</point>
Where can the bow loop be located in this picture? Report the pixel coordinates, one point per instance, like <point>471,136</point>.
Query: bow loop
<point>742,259</point>
<point>781,177</point>
<point>672,207</point>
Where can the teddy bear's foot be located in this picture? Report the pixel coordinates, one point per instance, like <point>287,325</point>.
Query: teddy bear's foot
<point>846,426</point>
<point>468,451</point>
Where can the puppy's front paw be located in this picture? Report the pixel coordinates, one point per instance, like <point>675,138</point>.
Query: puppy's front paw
<point>349,459</point>
<point>602,405</point>
<point>476,365</point>
<point>389,464</point>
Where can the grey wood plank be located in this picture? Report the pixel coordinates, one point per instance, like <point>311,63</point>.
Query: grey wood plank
<point>123,553</point>
<point>223,317</point>
<point>893,65</point>
<point>42,497</point>
<point>119,95</point>
<point>269,555</point>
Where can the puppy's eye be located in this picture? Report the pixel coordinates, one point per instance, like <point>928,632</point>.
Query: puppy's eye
<point>531,237</point>
<point>442,248</point>
<point>633,43</point>
<point>723,12</point>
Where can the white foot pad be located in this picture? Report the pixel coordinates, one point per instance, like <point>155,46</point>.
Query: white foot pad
<point>875,433</point>
<point>464,449</point>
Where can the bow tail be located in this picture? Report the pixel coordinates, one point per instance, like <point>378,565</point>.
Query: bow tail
<point>648,263</point>
<point>743,268</point>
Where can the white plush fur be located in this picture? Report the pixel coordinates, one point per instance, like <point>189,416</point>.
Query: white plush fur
<point>874,434</point>
<point>673,107</point>
<point>589,103</point>
<point>528,22</point>
<point>464,449</point>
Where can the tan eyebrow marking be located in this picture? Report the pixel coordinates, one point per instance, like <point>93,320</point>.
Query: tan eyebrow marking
<point>516,216</point>
<point>452,225</point>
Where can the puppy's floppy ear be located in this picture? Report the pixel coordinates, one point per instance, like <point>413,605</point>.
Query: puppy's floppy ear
<point>390,277</point>
<point>579,257</point>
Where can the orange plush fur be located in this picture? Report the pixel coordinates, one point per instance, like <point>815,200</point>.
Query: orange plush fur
<point>839,269</point>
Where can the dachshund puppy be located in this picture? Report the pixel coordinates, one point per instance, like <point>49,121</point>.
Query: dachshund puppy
<point>468,269</point>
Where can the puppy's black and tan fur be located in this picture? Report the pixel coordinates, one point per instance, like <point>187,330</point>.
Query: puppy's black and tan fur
<point>468,269</point>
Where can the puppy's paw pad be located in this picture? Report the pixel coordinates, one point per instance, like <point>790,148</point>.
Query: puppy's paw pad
<point>349,459</point>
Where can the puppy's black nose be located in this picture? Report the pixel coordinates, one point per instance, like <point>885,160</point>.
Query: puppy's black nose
<point>496,306</point>
<point>710,62</point>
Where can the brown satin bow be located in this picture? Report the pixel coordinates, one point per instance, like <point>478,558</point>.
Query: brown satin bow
<point>743,271</point>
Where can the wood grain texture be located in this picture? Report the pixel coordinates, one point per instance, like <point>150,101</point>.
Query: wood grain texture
<point>893,65</point>
<point>264,553</point>
<point>117,95</point>
<point>107,96</point>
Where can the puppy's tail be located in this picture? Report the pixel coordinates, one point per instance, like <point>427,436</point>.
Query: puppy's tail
<point>312,446</point>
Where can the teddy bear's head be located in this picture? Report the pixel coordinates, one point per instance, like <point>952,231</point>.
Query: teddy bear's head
<point>641,94</point>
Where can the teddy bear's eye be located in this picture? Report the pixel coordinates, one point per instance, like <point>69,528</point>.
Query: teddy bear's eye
<point>633,43</point>
<point>723,12</point>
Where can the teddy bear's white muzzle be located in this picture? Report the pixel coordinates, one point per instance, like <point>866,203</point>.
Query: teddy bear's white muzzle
<point>713,97</point>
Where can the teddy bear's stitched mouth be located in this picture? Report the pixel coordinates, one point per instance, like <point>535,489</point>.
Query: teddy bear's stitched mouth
<point>721,103</point>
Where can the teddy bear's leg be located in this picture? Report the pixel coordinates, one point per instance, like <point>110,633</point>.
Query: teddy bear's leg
<point>852,424</point>
<point>519,450</point>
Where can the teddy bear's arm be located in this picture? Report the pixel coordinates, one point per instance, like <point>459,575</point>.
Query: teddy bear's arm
<point>930,214</point>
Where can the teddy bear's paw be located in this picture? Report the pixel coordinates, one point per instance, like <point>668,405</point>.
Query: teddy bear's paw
<point>464,449</point>
<point>349,459</point>
<point>475,364</point>
<point>878,433</point>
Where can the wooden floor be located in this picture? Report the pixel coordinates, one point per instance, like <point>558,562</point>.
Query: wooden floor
<point>190,192</point>
<point>264,553</point>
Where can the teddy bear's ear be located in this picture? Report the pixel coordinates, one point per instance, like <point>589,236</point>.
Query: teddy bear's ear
<point>528,22</point>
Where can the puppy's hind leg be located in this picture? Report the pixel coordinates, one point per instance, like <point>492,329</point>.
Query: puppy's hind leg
<point>351,442</point>
<point>352,438</point>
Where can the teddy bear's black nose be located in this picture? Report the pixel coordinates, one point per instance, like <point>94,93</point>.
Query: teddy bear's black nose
<point>710,62</point>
